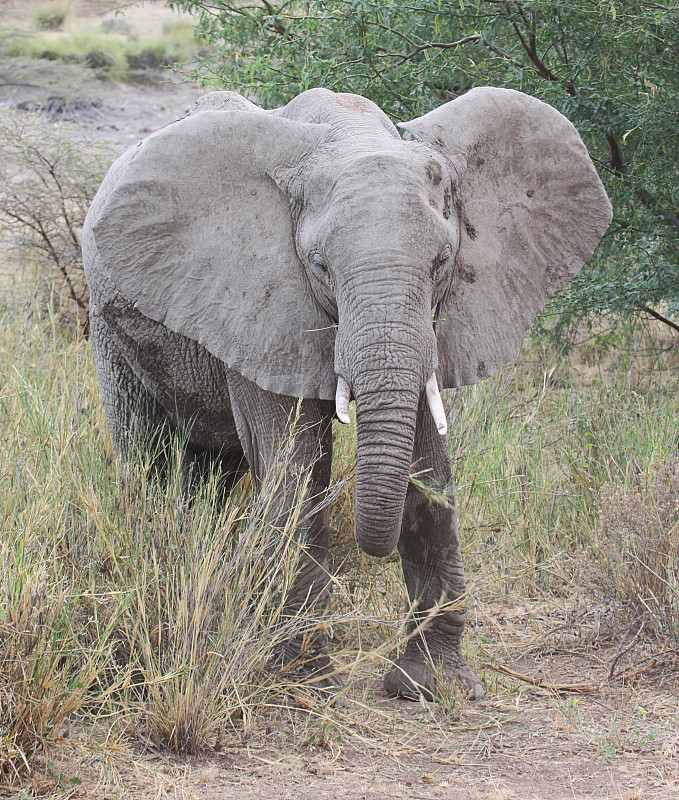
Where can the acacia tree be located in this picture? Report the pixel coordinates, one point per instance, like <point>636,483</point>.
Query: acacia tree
<point>612,67</point>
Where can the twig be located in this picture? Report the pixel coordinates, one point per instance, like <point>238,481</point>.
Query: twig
<point>627,676</point>
<point>433,46</point>
<point>576,688</point>
<point>563,627</point>
<point>641,622</point>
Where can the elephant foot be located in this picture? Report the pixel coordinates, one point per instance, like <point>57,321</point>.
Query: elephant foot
<point>412,678</point>
<point>469,681</point>
<point>318,673</point>
<point>308,663</point>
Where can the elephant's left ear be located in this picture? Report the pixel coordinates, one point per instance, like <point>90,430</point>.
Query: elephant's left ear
<point>531,209</point>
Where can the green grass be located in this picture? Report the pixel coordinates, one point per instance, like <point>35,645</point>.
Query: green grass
<point>115,54</point>
<point>121,602</point>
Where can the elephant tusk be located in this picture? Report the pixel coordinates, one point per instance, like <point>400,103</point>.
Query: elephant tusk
<point>436,405</point>
<point>342,396</point>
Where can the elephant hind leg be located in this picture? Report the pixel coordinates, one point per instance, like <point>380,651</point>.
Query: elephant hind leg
<point>136,420</point>
<point>200,463</point>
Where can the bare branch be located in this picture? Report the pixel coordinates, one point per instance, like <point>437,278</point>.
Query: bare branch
<point>660,318</point>
<point>432,46</point>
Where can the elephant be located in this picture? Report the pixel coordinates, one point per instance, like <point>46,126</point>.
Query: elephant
<point>244,263</point>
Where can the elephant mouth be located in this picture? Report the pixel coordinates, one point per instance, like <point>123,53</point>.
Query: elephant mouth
<point>431,390</point>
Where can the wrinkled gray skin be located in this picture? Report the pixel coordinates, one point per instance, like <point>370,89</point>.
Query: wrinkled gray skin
<point>240,259</point>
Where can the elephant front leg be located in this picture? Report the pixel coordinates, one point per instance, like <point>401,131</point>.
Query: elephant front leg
<point>263,421</point>
<point>432,566</point>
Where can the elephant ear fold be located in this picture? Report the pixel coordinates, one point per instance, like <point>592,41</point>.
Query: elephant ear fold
<point>194,230</point>
<point>531,210</point>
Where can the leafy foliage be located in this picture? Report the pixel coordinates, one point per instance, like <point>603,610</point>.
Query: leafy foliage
<point>611,67</point>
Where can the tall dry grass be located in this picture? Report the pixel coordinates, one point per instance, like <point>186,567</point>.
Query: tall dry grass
<point>118,599</point>
<point>540,449</point>
<point>121,597</point>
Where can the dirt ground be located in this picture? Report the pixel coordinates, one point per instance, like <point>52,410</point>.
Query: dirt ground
<point>118,113</point>
<point>574,735</point>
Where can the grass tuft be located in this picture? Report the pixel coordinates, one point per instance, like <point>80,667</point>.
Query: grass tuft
<point>51,16</point>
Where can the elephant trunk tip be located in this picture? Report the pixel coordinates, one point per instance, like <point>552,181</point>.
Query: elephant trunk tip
<point>380,548</point>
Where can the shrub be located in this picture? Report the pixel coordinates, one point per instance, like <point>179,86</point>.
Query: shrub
<point>48,178</point>
<point>51,16</point>
<point>639,549</point>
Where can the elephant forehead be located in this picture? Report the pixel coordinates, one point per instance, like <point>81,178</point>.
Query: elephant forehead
<point>364,161</point>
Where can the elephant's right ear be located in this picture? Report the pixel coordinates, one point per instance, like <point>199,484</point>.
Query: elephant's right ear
<point>197,234</point>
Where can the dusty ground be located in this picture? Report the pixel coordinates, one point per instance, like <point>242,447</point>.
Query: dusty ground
<point>576,735</point>
<point>109,112</point>
<point>608,740</point>
<point>121,114</point>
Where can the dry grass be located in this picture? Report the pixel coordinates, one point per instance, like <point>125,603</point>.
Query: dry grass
<point>639,547</point>
<point>147,620</point>
<point>120,598</point>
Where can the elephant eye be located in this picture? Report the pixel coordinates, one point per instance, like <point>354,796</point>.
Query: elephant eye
<point>318,264</point>
<point>442,261</point>
<point>445,255</point>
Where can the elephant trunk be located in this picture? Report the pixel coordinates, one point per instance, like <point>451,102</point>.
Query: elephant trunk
<point>386,433</point>
<point>387,367</point>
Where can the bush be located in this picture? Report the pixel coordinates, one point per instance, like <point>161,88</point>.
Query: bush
<point>51,16</point>
<point>639,549</point>
<point>48,178</point>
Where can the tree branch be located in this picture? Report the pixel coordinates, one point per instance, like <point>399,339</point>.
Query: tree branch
<point>660,317</point>
<point>530,48</point>
<point>620,168</point>
<point>432,46</point>
<point>503,55</point>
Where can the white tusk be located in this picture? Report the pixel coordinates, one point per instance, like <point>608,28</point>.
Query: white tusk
<point>435,404</point>
<point>342,396</point>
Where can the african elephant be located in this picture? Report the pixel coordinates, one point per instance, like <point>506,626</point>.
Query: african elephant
<point>240,259</point>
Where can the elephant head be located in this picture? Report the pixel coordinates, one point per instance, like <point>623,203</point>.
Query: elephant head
<point>329,257</point>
